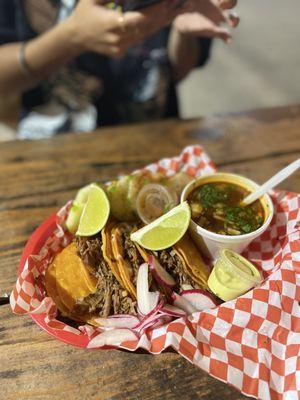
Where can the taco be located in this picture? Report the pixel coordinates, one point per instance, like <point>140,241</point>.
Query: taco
<point>82,284</point>
<point>184,263</point>
<point>130,256</point>
<point>107,250</point>
<point>127,255</point>
<point>73,279</point>
<point>192,261</point>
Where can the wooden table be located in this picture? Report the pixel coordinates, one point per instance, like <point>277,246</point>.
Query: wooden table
<point>36,178</point>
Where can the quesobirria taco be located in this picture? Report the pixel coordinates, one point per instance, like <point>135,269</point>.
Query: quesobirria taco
<point>182,261</point>
<point>82,283</point>
<point>96,276</point>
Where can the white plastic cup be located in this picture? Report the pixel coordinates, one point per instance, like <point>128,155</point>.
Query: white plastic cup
<point>232,276</point>
<point>210,243</point>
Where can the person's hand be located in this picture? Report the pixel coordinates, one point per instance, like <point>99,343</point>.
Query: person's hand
<point>99,29</point>
<point>204,19</point>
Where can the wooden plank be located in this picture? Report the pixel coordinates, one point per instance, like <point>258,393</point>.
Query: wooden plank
<point>227,138</point>
<point>35,366</point>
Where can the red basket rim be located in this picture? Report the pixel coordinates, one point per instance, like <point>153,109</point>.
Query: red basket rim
<point>33,246</point>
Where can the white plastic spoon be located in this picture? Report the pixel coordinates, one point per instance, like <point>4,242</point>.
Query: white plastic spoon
<point>272,182</point>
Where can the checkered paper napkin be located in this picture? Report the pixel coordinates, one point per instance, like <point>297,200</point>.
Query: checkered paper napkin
<point>251,343</point>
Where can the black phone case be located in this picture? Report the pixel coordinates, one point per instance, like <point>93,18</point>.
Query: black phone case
<point>133,5</point>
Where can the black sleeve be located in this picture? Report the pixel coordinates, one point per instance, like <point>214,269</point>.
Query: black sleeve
<point>7,22</point>
<point>205,44</point>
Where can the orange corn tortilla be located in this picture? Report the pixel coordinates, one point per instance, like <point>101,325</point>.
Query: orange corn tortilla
<point>73,278</point>
<point>142,252</point>
<point>107,251</point>
<point>51,289</point>
<point>124,266</point>
<point>192,260</point>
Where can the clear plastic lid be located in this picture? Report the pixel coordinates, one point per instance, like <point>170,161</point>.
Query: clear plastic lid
<point>239,266</point>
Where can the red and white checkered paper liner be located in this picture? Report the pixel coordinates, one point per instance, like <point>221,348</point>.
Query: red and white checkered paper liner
<point>252,343</point>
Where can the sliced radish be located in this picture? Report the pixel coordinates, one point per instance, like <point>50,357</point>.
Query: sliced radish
<point>147,322</point>
<point>161,276</point>
<point>154,298</point>
<point>200,299</point>
<point>147,301</point>
<point>183,303</point>
<point>118,321</point>
<point>153,311</point>
<point>112,338</point>
<point>173,311</point>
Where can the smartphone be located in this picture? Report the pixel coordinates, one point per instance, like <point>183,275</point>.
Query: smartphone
<point>134,5</point>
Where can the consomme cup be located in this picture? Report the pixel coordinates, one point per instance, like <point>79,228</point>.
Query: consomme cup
<point>210,243</point>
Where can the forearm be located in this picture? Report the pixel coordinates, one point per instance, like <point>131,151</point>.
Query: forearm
<point>43,55</point>
<point>184,52</point>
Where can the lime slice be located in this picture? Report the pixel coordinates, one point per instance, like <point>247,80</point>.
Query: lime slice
<point>164,231</point>
<point>73,219</point>
<point>83,194</point>
<point>95,212</point>
<point>75,212</point>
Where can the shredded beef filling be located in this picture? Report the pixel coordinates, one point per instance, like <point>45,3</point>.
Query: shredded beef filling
<point>110,297</point>
<point>132,255</point>
<point>172,263</point>
<point>89,249</point>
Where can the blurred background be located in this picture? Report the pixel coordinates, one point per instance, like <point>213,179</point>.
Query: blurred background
<point>260,68</point>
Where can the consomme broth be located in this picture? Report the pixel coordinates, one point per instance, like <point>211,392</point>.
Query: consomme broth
<point>216,207</point>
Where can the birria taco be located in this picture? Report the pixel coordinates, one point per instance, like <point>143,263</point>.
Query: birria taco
<point>182,261</point>
<point>127,256</point>
<point>82,284</point>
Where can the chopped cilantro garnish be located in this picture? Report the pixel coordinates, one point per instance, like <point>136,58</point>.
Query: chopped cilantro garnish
<point>243,217</point>
<point>210,195</point>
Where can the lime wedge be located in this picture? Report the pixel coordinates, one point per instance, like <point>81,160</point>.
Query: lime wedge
<point>83,194</point>
<point>95,212</point>
<point>164,231</point>
<point>75,212</point>
<point>73,219</point>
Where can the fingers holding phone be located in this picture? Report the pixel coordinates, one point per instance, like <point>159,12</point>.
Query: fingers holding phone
<point>147,20</point>
<point>110,32</point>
